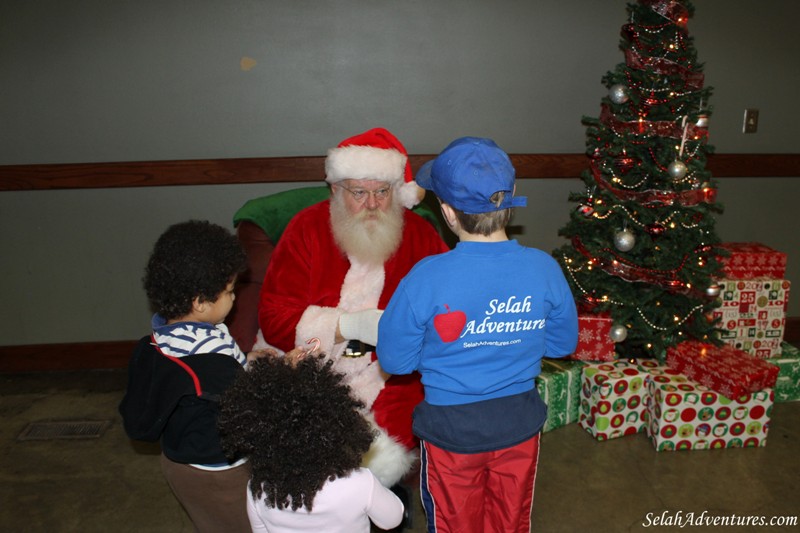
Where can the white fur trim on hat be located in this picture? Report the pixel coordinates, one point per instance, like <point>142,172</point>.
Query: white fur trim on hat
<point>389,460</point>
<point>356,162</point>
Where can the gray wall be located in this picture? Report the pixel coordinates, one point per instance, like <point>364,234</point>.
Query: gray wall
<point>122,80</point>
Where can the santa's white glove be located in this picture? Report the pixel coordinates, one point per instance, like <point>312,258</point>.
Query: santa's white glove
<point>361,325</point>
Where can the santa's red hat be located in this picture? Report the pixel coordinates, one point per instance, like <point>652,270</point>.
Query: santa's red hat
<point>375,154</point>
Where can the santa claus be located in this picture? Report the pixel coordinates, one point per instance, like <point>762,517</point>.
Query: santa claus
<point>335,268</point>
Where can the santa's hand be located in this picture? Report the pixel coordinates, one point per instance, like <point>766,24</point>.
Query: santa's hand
<point>261,353</point>
<point>361,325</point>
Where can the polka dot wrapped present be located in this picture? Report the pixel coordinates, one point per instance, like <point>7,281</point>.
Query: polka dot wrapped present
<point>685,415</point>
<point>613,399</point>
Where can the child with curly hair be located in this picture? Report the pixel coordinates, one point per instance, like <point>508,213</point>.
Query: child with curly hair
<point>176,374</point>
<point>304,436</point>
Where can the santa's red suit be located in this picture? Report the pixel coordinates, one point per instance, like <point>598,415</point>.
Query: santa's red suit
<point>310,282</point>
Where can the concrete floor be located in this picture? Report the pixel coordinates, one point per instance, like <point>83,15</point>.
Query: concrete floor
<point>112,484</point>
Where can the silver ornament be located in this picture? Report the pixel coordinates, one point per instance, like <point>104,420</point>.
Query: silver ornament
<point>624,240</point>
<point>702,121</point>
<point>677,170</point>
<point>618,93</point>
<point>713,290</point>
<point>618,333</point>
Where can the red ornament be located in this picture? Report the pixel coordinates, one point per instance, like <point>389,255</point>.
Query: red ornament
<point>656,230</point>
<point>624,164</point>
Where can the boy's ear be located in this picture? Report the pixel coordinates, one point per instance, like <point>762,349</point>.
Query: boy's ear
<point>198,306</point>
<point>449,215</point>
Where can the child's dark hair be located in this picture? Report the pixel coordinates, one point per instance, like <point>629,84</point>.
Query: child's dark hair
<point>485,223</point>
<point>193,259</point>
<point>298,425</point>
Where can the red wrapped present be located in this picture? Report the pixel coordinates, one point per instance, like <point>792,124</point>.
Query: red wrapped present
<point>594,338</point>
<point>749,260</point>
<point>725,369</point>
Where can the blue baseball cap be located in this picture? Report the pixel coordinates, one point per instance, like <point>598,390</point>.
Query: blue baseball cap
<point>468,172</point>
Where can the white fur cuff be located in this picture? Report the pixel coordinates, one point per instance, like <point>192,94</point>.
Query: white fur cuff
<point>389,460</point>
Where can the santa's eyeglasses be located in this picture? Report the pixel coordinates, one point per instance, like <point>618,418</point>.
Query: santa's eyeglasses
<point>360,195</point>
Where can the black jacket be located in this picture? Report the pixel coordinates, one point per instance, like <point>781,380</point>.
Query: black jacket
<point>177,400</point>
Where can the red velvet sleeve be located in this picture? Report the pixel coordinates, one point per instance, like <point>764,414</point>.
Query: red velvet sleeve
<point>305,269</point>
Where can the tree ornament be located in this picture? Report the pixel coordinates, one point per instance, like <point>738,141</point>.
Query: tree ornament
<point>713,290</point>
<point>624,240</point>
<point>624,163</point>
<point>656,229</point>
<point>585,209</point>
<point>677,170</point>
<point>702,121</point>
<point>618,333</point>
<point>618,93</point>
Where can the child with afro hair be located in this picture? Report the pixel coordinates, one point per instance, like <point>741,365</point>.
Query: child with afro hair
<point>304,436</point>
<point>178,372</point>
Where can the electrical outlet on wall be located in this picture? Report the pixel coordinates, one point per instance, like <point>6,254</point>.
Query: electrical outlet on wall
<point>750,121</point>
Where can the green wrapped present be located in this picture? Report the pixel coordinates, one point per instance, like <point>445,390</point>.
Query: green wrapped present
<point>559,385</point>
<point>787,386</point>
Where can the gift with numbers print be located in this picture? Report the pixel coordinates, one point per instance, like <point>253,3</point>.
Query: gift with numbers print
<point>752,314</point>
<point>685,415</point>
<point>613,398</point>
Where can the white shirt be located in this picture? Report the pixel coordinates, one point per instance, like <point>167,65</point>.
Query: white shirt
<point>345,505</point>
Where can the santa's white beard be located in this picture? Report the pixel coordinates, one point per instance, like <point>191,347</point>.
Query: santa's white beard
<point>368,236</point>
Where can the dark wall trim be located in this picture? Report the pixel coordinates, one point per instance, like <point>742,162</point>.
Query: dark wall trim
<point>112,355</point>
<point>72,356</point>
<point>308,169</point>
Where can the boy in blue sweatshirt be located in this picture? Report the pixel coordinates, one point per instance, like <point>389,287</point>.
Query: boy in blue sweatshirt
<point>476,322</point>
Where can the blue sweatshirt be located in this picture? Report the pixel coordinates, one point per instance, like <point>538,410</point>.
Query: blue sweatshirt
<point>476,322</point>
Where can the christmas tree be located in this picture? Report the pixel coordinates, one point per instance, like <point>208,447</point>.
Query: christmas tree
<point>641,238</point>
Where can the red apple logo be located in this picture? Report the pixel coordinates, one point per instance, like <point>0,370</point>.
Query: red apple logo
<point>449,325</point>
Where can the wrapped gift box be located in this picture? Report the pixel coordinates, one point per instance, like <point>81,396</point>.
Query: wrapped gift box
<point>724,369</point>
<point>748,260</point>
<point>559,385</point>
<point>594,338</point>
<point>787,386</point>
<point>753,314</point>
<point>685,415</point>
<point>613,398</point>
